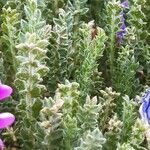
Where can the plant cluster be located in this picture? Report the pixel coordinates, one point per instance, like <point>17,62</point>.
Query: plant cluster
<point>79,70</point>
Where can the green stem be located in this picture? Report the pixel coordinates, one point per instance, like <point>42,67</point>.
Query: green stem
<point>28,97</point>
<point>29,100</point>
<point>11,47</point>
<point>112,41</point>
<point>55,6</point>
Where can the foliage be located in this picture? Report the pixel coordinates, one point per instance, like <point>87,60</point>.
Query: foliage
<point>31,57</point>
<point>90,51</point>
<point>128,117</point>
<point>113,134</point>
<point>92,141</point>
<point>64,43</point>
<point>51,123</point>
<point>10,18</point>
<point>75,84</point>
<point>63,121</point>
<point>113,10</point>
<point>108,106</point>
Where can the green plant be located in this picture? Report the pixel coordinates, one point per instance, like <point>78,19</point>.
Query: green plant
<point>90,51</point>
<point>112,19</point>
<point>108,106</point>
<point>31,57</point>
<point>10,18</point>
<point>92,140</point>
<point>64,43</point>
<point>113,134</point>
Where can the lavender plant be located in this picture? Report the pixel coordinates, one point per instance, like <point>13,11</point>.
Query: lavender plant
<point>128,117</point>
<point>90,51</point>
<point>125,70</point>
<point>51,123</point>
<point>62,119</point>
<point>69,94</point>
<point>113,9</point>
<point>137,32</point>
<point>108,106</point>
<point>125,80</point>
<point>51,9</point>
<point>31,68</point>
<point>92,140</point>
<point>64,43</point>
<point>10,20</point>
<point>136,139</point>
<point>113,135</point>
<point>59,49</point>
<point>88,114</point>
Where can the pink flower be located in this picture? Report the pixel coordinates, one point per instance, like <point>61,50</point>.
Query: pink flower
<point>1,145</point>
<point>6,119</point>
<point>5,91</point>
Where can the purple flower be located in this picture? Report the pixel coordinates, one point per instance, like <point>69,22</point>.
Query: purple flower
<point>145,108</point>
<point>125,4</point>
<point>5,91</point>
<point>122,31</point>
<point>1,145</point>
<point>6,119</point>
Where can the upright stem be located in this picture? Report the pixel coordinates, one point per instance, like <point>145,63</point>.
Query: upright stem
<point>30,82</point>
<point>11,47</point>
<point>28,97</point>
<point>112,41</point>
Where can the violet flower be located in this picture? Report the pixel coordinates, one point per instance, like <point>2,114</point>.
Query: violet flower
<point>1,145</point>
<point>122,31</point>
<point>145,108</point>
<point>125,4</point>
<point>6,119</point>
<point>5,91</point>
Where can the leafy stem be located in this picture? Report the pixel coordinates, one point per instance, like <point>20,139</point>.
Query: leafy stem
<point>112,41</point>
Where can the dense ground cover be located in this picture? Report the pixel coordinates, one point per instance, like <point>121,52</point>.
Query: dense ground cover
<point>76,73</point>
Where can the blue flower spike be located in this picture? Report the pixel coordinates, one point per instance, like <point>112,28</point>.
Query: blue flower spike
<point>122,31</point>
<point>125,4</point>
<point>145,108</point>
